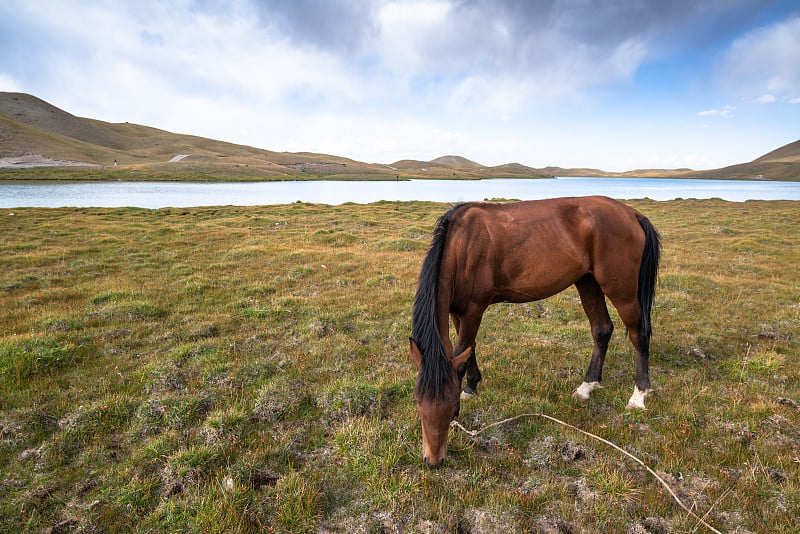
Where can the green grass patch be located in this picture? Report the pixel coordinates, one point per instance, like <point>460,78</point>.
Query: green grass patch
<point>23,359</point>
<point>246,369</point>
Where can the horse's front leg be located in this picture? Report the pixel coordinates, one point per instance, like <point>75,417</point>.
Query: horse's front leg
<point>473,375</point>
<point>467,331</point>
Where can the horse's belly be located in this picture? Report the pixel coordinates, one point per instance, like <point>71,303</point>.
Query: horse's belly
<point>539,285</point>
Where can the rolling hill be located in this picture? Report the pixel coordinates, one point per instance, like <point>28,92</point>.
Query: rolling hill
<point>34,133</point>
<point>31,128</point>
<point>780,164</point>
<point>459,167</point>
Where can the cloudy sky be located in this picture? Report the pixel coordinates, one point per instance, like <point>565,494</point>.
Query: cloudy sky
<point>617,84</point>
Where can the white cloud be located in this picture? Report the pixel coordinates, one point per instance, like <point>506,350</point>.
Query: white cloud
<point>182,69</point>
<point>407,33</point>
<point>134,62</point>
<point>726,112</point>
<point>765,61</point>
<point>488,97</point>
<point>8,84</point>
<point>766,99</point>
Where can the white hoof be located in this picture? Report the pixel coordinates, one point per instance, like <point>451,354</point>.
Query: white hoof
<point>637,399</point>
<point>585,390</point>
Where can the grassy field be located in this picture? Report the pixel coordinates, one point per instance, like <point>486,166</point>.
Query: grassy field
<point>246,369</point>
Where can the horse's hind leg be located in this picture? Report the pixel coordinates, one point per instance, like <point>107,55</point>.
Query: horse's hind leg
<point>640,339</point>
<point>594,304</point>
<point>641,345</point>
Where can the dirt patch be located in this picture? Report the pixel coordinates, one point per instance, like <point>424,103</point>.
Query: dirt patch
<point>10,432</point>
<point>693,490</point>
<point>548,525</point>
<point>261,478</point>
<point>583,490</point>
<point>30,161</point>
<point>651,525</point>
<point>172,483</point>
<point>569,451</point>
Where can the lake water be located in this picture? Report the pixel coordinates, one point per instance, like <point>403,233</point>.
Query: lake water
<point>15,194</point>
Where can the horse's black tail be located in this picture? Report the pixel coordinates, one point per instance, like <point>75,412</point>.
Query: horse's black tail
<point>648,273</point>
<point>435,366</point>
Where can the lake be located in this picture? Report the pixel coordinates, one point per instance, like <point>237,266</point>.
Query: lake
<point>15,194</point>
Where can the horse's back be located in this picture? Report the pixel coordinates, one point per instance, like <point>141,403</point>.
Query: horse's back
<point>564,209</point>
<point>536,224</point>
<point>533,249</point>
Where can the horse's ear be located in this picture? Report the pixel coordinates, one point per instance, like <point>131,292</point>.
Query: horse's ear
<point>416,355</point>
<point>461,359</point>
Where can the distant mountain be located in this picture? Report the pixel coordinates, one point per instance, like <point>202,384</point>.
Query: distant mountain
<point>457,162</point>
<point>462,168</point>
<point>33,131</point>
<point>36,133</point>
<point>780,164</point>
<point>786,154</point>
<point>637,173</point>
<point>413,165</point>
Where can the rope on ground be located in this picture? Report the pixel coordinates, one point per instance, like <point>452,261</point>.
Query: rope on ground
<point>475,433</point>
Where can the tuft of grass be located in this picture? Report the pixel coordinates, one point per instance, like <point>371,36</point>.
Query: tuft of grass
<point>298,507</point>
<point>23,359</point>
<point>402,245</point>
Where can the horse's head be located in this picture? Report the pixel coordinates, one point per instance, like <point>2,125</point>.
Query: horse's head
<point>437,411</point>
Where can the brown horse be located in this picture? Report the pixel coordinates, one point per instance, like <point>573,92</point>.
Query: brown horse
<point>483,253</point>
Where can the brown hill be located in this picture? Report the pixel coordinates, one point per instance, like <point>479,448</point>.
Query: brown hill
<point>36,133</point>
<point>33,131</point>
<point>419,167</point>
<point>37,113</point>
<point>637,173</point>
<point>781,164</point>
<point>463,168</point>
<point>787,153</point>
<point>457,162</point>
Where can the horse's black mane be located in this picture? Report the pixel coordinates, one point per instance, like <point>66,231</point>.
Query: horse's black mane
<point>435,368</point>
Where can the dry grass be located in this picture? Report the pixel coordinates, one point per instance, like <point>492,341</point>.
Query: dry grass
<point>246,369</point>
